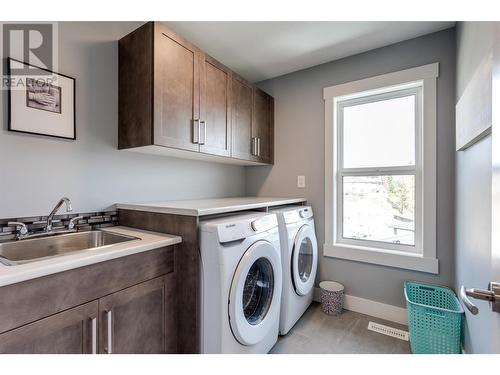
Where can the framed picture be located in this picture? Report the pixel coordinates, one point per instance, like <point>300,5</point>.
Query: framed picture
<point>42,103</point>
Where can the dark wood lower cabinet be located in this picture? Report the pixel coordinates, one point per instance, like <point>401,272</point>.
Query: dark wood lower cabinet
<point>184,286</point>
<point>68,332</point>
<point>125,305</point>
<point>132,321</point>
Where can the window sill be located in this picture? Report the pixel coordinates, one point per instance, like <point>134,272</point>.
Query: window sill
<point>395,259</point>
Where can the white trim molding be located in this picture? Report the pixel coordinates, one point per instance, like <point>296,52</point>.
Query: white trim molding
<point>376,309</point>
<point>381,257</point>
<point>423,256</point>
<point>384,80</point>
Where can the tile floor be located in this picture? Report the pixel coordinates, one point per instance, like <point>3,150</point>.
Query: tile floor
<point>317,333</point>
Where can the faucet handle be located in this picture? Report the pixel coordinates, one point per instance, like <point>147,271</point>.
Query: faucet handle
<point>69,207</point>
<point>72,222</point>
<point>24,228</point>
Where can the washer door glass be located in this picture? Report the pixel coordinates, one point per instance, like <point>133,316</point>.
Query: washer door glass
<point>254,299</point>
<point>258,291</point>
<point>304,260</point>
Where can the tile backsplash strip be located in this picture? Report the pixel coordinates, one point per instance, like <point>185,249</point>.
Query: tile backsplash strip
<point>91,220</point>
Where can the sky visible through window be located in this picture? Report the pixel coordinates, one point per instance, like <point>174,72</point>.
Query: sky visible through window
<point>380,134</point>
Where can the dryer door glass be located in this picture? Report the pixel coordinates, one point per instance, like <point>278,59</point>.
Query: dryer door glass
<point>305,259</point>
<point>258,291</point>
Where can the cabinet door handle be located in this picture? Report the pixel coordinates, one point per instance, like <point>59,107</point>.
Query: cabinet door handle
<point>258,146</point>
<point>109,348</point>
<point>94,335</point>
<point>196,131</point>
<point>254,146</point>
<point>204,123</point>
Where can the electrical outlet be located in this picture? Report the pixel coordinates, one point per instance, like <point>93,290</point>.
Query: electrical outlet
<point>301,182</point>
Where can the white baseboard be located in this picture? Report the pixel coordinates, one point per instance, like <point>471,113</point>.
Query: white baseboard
<point>373,308</point>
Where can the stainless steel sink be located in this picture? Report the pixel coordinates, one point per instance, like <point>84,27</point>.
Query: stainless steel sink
<point>31,250</point>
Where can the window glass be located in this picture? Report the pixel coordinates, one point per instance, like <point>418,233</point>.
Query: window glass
<point>379,208</point>
<point>380,133</point>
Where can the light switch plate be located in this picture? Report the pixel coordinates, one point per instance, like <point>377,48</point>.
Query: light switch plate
<point>301,182</point>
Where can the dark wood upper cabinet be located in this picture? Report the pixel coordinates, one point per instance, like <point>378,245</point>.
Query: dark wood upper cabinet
<point>176,100</point>
<point>132,321</point>
<point>263,126</point>
<point>215,109</point>
<point>176,90</point>
<point>242,119</point>
<point>73,331</point>
<point>135,85</point>
<point>158,89</point>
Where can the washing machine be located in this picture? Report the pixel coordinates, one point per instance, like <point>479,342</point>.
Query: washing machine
<point>299,258</point>
<point>241,283</point>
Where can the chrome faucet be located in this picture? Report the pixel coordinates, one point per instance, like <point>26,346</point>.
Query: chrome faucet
<point>50,218</point>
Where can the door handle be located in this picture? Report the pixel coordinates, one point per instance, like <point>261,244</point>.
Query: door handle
<point>94,335</point>
<point>258,146</point>
<point>492,295</point>
<point>253,150</point>
<point>109,346</point>
<point>467,302</point>
<point>204,123</point>
<point>196,131</point>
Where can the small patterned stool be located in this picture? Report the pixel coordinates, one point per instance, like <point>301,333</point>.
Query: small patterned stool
<point>331,297</point>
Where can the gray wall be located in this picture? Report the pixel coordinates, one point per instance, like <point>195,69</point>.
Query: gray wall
<point>35,171</point>
<point>299,146</point>
<point>473,194</point>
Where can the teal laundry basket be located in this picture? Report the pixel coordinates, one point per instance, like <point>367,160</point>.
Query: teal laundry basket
<point>434,319</point>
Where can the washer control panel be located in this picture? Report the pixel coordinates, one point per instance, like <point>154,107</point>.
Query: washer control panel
<point>240,228</point>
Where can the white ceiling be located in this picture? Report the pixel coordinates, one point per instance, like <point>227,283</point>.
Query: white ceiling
<point>262,50</point>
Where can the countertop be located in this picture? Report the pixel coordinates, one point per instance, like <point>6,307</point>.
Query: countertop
<point>203,207</point>
<point>146,241</point>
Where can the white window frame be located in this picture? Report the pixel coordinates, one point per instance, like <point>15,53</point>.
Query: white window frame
<point>414,90</point>
<point>422,257</point>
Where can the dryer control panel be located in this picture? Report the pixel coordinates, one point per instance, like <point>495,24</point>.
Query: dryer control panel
<point>298,214</point>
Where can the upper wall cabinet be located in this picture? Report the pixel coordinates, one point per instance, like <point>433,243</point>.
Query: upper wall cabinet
<point>176,97</point>
<point>263,126</point>
<point>242,107</point>
<point>215,108</point>
<point>176,100</point>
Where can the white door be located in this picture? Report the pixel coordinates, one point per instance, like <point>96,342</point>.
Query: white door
<point>482,323</point>
<point>255,293</point>
<point>495,250</point>
<point>304,260</point>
